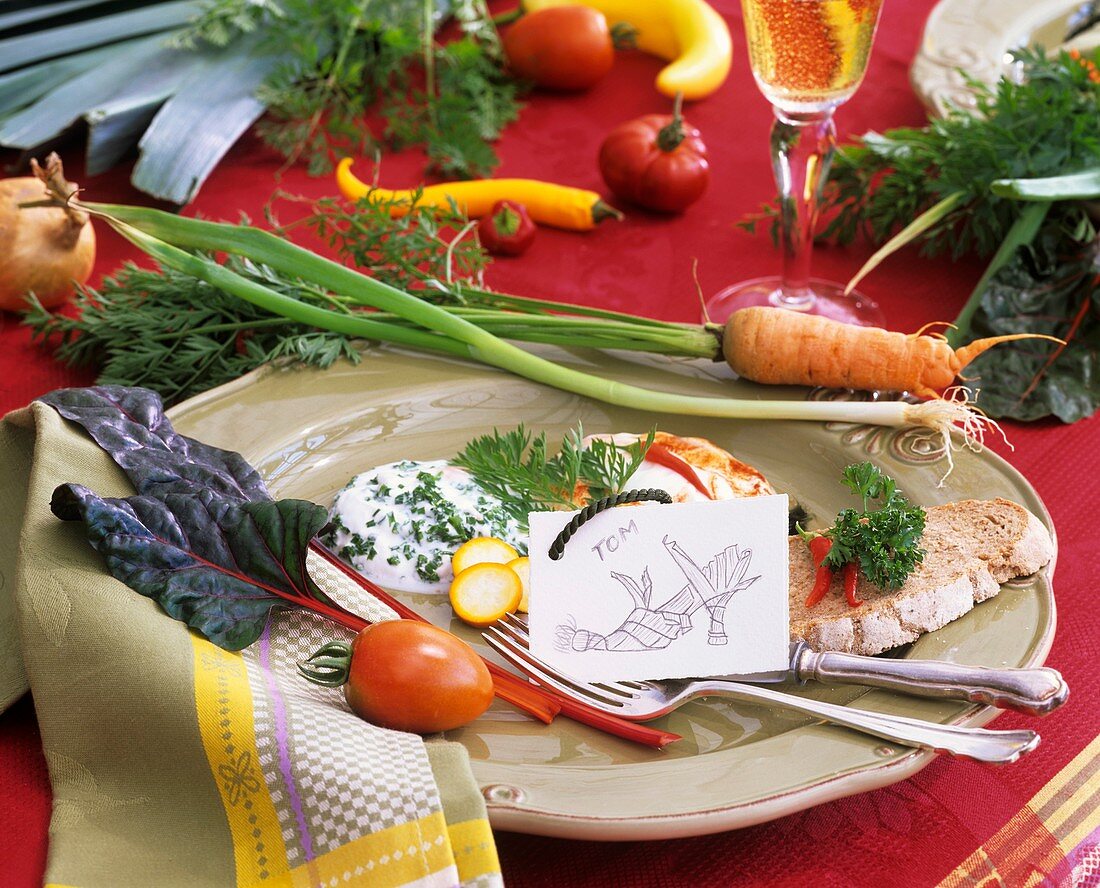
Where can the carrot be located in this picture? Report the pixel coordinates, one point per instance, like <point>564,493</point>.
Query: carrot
<point>781,347</point>
<point>559,206</point>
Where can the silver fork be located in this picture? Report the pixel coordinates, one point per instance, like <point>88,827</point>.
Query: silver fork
<point>641,701</point>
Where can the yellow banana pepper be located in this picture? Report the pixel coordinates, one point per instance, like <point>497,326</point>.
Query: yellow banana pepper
<point>559,206</point>
<point>687,33</point>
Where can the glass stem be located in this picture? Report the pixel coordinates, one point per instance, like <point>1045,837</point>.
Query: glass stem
<point>802,150</point>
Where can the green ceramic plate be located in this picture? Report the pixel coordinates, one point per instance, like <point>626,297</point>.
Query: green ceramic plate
<point>309,431</point>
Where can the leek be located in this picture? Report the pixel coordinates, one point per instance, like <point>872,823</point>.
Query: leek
<point>27,49</point>
<point>1071,186</point>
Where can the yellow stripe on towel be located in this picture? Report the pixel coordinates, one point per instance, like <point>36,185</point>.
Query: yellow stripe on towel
<point>415,853</point>
<point>1033,844</point>
<point>474,849</point>
<point>223,704</point>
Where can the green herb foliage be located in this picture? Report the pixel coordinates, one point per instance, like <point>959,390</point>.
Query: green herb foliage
<point>472,104</point>
<point>420,251</point>
<point>222,21</point>
<point>1043,278</point>
<point>180,336</point>
<point>346,60</point>
<point>525,476</point>
<point>1051,286</point>
<point>1043,126</point>
<point>884,541</point>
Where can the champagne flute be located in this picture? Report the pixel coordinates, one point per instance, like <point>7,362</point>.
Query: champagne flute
<point>808,57</point>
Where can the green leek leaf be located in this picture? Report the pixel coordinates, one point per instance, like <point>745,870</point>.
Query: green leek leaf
<point>116,125</point>
<point>40,45</point>
<point>25,86</point>
<point>199,124</point>
<point>42,11</point>
<point>1072,186</point>
<point>55,112</point>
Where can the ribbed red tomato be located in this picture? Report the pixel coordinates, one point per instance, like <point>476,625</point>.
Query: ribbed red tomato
<point>657,161</point>
<point>562,47</point>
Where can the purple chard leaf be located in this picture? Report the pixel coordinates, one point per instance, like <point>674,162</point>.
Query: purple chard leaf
<point>130,425</point>
<point>218,564</point>
<point>203,537</point>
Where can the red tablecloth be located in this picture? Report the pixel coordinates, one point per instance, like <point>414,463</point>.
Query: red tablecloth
<point>1019,822</point>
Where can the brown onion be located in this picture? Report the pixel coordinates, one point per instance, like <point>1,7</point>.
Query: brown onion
<point>44,250</point>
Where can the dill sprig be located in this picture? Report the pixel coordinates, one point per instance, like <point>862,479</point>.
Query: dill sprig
<point>521,472</point>
<point>346,59</point>
<point>1042,125</point>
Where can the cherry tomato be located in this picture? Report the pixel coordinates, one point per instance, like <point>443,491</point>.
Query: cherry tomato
<point>657,161</point>
<point>406,675</point>
<point>507,230</point>
<point>561,47</point>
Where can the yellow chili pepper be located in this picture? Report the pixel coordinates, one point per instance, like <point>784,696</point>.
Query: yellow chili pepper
<point>688,33</point>
<point>560,206</point>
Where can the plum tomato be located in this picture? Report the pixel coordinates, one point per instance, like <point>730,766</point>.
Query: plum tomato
<point>406,675</point>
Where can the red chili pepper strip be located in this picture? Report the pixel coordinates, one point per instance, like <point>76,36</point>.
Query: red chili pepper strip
<point>819,548</point>
<point>822,581</point>
<point>529,697</point>
<point>850,578</point>
<point>662,456</point>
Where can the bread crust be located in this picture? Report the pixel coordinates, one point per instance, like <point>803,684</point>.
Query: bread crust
<point>971,548</point>
<point>720,472</point>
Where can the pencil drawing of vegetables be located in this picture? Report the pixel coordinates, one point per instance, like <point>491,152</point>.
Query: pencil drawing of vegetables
<point>648,628</point>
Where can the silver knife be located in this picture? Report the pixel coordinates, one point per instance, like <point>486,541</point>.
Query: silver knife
<point>1035,691</point>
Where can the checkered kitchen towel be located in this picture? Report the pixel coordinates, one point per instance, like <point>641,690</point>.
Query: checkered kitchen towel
<point>174,762</point>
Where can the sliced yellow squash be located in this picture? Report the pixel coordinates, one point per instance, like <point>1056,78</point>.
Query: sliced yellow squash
<point>480,550</point>
<point>522,567</point>
<point>483,593</point>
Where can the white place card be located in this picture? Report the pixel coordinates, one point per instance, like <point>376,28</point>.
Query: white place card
<point>663,591</point>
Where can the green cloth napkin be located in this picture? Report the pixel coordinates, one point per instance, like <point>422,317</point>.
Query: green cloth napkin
<point>174,762</point>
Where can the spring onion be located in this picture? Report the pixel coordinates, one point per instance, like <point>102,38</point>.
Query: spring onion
<point>404,318</point>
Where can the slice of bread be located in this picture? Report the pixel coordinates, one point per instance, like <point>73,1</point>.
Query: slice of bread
<point>971,547</point>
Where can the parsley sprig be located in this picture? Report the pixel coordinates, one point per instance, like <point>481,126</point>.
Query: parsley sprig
<point>884,541</point>
<point>519,469</point>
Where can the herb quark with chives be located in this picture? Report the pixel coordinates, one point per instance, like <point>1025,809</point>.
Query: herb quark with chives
<point>401,522</point>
